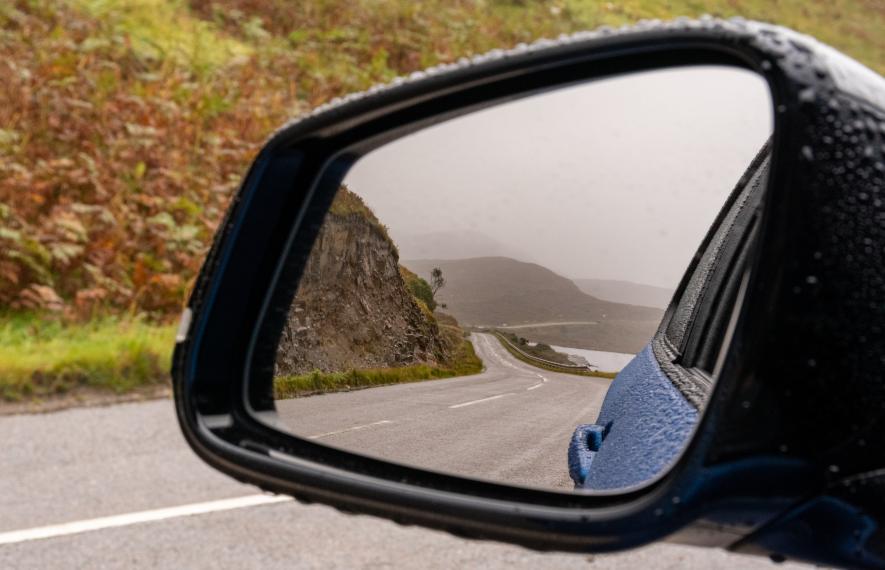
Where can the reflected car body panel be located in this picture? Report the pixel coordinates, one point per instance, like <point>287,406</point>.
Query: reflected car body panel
<point>641,428</point>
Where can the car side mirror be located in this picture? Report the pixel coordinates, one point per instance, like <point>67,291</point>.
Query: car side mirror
<point>392,309</point>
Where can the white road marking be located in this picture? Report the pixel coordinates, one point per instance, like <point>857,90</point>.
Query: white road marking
<point>478,401</point>
<point>127,519</point>
<point>499,356</point>
<point>539,384</point>
<point>355,428</point>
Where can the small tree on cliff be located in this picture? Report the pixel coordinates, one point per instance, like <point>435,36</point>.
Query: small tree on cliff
<point>437,281</point>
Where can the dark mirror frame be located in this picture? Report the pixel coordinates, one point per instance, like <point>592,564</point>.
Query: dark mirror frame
<point>759,461</point>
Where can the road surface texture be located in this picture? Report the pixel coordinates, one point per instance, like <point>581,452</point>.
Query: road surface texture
<point>80,465</point>
<point>512,423</point>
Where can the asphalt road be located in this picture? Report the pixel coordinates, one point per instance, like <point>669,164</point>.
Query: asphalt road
<point>79,465</point>
<point>512,423</point>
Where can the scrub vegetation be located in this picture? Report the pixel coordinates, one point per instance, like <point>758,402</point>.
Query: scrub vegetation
<point>419,288</point>
<point>346,203</point>
<point>541,350</point>
<point>464,363</point>
<point>537,349</point>
<point>125,126</point>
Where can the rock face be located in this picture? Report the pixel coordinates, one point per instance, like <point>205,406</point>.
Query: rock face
<point>353,309</point>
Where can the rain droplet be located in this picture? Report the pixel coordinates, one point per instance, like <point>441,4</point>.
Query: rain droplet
<point>833,468</point>
<point>807,153</point>
<point>807,95</point>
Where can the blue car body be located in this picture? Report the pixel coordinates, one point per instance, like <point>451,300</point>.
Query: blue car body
<point>642,427</point>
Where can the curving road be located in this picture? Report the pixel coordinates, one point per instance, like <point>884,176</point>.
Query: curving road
<point>510,423</point>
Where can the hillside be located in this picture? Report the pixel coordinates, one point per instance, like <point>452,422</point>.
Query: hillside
<point>626,292</point>
<point>503,291</point>
<point>514,295</point>
<point>353,309</point>
<point>126,126</point>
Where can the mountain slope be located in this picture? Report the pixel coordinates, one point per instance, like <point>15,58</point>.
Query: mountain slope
<point>494,291</point>
<point>626,292</point>
<point>353,309</point>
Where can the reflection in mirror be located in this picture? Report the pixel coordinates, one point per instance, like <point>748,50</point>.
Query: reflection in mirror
<point>484,296</point>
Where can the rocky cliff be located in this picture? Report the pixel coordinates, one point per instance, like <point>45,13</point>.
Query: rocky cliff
<point>353,309</point>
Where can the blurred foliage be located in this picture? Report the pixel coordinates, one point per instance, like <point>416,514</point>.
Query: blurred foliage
<point>126,125</point>
<point>118,163</point>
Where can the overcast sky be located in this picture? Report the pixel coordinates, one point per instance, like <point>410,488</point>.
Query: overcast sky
<point>615,179</point>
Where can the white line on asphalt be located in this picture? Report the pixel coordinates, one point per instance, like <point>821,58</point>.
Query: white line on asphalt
<point>539,384</point>
<point>127,519</point>
<point>477,401</point>
<point>355,428</point>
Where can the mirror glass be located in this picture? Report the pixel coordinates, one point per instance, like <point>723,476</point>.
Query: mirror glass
<point>486,295</point>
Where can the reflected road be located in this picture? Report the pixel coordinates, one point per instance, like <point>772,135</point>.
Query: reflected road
<point>510,423</point>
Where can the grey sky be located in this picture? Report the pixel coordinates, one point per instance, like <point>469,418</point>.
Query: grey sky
<point>614,179</point>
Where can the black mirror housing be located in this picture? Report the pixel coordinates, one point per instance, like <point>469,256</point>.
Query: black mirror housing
<point>793,433</point>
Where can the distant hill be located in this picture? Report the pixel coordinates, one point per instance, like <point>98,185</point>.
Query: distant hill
<point>626,292</point>
<point>499,290</point>
<point>504,292</point>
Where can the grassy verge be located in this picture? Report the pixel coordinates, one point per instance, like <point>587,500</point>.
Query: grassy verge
<point>41,357</point>
<point>519,356</point>
<point>539,349</point>
<point>466,363</point>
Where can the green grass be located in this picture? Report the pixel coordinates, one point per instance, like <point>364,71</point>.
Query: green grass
<point>40,356</point>
<point>519,356</point>
<point>465,363</point>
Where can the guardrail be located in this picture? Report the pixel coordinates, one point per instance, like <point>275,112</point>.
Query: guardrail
<point>544,361</point>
